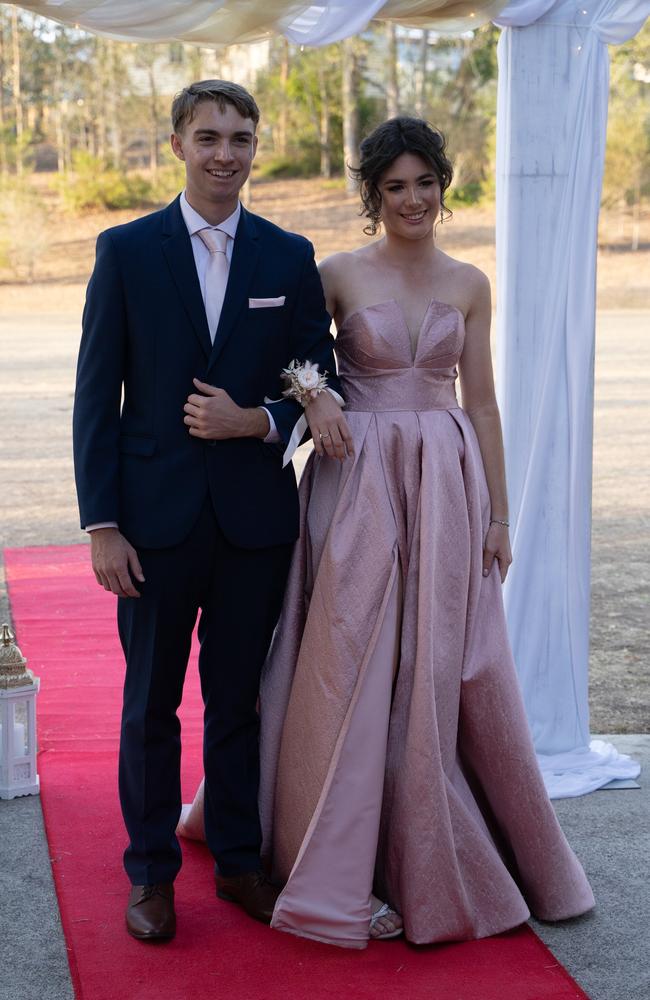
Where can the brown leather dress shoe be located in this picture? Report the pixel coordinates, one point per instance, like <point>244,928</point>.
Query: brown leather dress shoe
<point>253,891</point>
<point>150,914</point>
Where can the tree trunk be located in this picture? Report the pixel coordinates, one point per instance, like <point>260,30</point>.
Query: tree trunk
<point>283,117</point>
<point>101,100</point>
<point>17,95</point>
<point>196,62</point>
<point>621,219</point>
<point>61,164</point>
<point>421,78</point>
<point>350,111</point>
<point>218,53</point>
<point>38,129</point>
<point>636,214</point>
<point>112,105</point>
<point>60,116</point>
<point>153,122</point>
<point>392,83</point>
<point>3,145</point>
<point>67,137</point>
<point>325,152</point>
<point>88,132</point>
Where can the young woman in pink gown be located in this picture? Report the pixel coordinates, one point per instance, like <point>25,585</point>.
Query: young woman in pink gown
<point>400,788</point>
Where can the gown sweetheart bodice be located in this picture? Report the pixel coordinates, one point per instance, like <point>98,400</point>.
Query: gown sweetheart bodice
<point>380,369</point>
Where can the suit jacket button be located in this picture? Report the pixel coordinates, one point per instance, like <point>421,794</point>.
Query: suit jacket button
<point>211,443</point>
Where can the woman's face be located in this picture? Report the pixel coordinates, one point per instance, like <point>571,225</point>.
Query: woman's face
<point>410,197</point>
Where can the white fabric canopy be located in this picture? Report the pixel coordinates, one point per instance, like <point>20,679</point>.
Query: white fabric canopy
<point>208,22</point>
<point>551,126</point>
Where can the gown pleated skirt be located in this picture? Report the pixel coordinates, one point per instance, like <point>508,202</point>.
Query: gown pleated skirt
<point>395,750</point>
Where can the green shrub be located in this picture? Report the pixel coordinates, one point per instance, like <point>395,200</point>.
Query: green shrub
<point>93,186</point>
<point>168,181</point>
<point>120,190</point>
<point>467,194</point>
<point>280,167</point>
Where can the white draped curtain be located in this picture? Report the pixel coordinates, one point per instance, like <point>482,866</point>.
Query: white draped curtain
<point>552,112</point>
<point>226,22</point>
<point>551,126</point>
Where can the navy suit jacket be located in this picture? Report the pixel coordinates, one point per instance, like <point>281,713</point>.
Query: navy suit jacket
<point>145,336</point>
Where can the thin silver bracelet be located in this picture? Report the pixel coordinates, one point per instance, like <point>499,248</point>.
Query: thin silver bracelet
<point>494,520</point>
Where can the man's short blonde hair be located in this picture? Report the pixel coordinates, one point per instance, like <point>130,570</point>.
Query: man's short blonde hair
<point>222,92</point>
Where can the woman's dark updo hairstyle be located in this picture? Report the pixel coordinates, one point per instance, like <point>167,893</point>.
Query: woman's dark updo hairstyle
<point>382,147</point>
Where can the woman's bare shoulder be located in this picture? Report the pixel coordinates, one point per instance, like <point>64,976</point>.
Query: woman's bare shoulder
<point>470,283</point>
<point>340,262</point>
<point>330,266</point>
<point>340,270</point>
<point>464,270</point>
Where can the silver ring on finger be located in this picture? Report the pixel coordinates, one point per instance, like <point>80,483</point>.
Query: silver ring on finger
<point>323,436</point>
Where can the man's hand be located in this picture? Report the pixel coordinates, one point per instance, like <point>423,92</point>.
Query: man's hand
<point>214,416</point>
<point>115,561</point>
<point>328,427</point>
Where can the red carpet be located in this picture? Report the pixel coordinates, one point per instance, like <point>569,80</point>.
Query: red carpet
<point>65,626</point>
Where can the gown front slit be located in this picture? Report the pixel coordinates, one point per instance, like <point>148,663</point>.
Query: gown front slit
<point>394,745</point>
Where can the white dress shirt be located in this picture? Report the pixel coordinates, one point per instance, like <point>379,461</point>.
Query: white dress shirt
<point>194,223</point>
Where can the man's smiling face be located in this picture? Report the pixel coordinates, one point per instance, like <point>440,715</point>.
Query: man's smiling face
<point>217,147</point>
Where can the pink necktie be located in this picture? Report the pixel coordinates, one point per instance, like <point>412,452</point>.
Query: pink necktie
<point>216,276</point>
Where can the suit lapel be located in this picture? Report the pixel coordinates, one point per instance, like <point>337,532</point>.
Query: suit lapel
<point>177,248</point>
<point>244,260</point>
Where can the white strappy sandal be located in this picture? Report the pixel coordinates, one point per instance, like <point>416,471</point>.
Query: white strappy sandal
<point>384,911</point>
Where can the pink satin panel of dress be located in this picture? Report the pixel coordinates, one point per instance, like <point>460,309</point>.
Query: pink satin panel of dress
<point>395,748</point>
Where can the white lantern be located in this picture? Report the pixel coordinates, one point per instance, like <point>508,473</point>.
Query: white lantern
<point>18,689</point>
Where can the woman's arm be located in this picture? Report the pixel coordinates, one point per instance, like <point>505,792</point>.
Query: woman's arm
<point>324,412</point>
<point>311,340</point>
<point>479,402</point>
<point>329,272</point>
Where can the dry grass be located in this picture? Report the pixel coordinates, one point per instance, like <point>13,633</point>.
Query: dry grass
<point>328,216</point>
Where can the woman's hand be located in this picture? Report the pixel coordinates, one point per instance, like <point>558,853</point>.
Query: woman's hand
<point>497,546</point>
<point>328,427</point>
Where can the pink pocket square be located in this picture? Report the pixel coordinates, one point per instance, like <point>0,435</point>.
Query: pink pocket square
<point>266,303</point>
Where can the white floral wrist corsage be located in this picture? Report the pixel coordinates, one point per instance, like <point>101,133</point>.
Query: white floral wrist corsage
<point>305,381</point>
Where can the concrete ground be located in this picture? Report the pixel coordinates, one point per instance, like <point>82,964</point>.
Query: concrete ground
<point>33,957</point>
<point>608,952</point>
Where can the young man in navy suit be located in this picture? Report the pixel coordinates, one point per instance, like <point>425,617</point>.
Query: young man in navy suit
<point>183,483</point>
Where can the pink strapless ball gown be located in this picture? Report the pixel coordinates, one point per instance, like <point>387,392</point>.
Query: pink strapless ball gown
<point>395,748</point>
